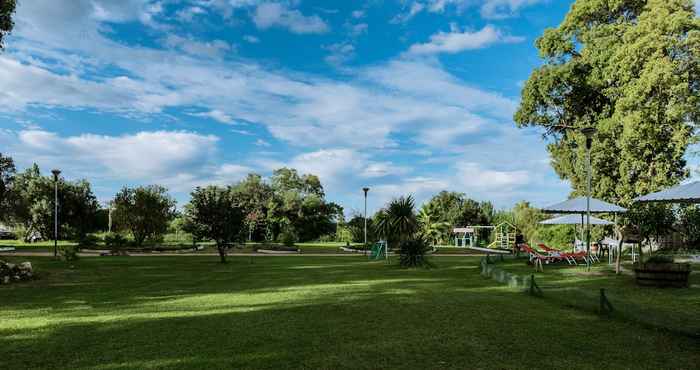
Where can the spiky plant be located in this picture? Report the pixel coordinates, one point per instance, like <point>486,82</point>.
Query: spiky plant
<point>413,253</point>
<point>402,218</point>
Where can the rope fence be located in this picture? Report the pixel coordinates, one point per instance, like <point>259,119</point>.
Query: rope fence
<point>609,302</point>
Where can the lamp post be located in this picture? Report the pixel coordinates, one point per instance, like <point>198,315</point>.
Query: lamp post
<point>55,173</point>
<point>365,190</point>
<point>589,132</point>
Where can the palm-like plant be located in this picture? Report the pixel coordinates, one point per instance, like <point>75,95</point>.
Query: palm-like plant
<point>383,224</point>
<point>431,228</point>
<point>401,216</point>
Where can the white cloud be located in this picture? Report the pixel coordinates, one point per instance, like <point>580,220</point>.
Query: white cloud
<point>358,14</point>
<point>358,29</point>
<point>189,13</point>
<point>414,8</point>
<point>179,160</point>
<point>251,39</point>
<point>27,84</point>
<point>137,156</point>
<point>473,176</point>
<point>339,53</point>
<point>216,115</point>
<point>209,49</point>
<point>456,40</point>
<point>335,166</point>
<point>489,9</point>
<point>279,15</point>
<point>500,9</point>
<point>263,143</point>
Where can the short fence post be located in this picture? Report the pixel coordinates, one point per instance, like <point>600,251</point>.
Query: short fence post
<point>605,305</point>
<point>534,289</point>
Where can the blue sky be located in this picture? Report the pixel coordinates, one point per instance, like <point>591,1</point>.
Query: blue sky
<point>401,96</point>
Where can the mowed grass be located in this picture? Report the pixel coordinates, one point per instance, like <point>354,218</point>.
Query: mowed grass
<point>305,312</point>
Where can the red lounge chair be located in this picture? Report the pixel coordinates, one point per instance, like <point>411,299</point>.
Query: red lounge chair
<point>569,257</point>
<point>537,258</point>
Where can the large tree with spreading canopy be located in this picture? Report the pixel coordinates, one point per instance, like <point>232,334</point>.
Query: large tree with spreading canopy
<point>631,69</point>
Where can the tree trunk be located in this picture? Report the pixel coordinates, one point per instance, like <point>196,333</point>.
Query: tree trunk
<point>222,252</point>
<point>620,234</point>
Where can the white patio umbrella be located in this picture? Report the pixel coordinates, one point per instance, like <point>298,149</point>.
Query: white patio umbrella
<point>572,219</point>
<point>578,206</point>
<point>688,193</point>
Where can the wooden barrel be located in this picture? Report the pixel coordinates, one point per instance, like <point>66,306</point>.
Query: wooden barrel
<point>662,274</point>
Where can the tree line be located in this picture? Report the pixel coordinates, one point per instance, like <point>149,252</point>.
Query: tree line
<point>255,209</point>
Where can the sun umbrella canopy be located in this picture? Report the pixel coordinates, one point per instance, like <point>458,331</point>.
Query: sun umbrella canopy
<point>688,193</point>
<point>573,219</point>
<point>578,206</point>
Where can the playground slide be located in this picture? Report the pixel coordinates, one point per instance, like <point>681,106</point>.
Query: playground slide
<point>489,250</point>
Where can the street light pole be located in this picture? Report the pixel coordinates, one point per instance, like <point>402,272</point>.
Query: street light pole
<point>589,132</point>
<point>55,173</point>
<point>365,189</point>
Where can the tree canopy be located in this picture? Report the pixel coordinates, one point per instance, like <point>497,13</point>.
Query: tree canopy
<point>449,209</point>
<point>7,173</point>
<point>7,9</point>
<point>31,199</point>
<point>145,211</point>
<point>214,213</point>
<point>631,69</point>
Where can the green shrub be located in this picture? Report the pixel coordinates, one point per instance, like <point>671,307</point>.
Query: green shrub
<point>88,240</point>
<point>115,241</point>
<point>69,253</point>
<point>413,253</point>
<point>288,238</point>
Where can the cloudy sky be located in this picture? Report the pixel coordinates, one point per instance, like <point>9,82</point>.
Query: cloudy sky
<point>398,95</point>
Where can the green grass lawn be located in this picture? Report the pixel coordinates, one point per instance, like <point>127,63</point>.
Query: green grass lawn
<point>672,308</point>
<point>304,312</point>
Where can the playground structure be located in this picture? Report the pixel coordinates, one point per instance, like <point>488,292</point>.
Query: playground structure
<point>505,236</point>
<point>502,236</point>
<point>379,251</point>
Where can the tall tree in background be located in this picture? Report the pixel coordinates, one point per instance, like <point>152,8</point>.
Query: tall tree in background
<point>7,174</point>
<point>253,196</point>
<point>298,206</point>
<point>7,9</point>
<point>145,211</point>
<point>630,68</point>
<point>32,205</point>
<point>451,209</point>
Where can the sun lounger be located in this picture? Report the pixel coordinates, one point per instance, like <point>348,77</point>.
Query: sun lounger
<point>538,258</point>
